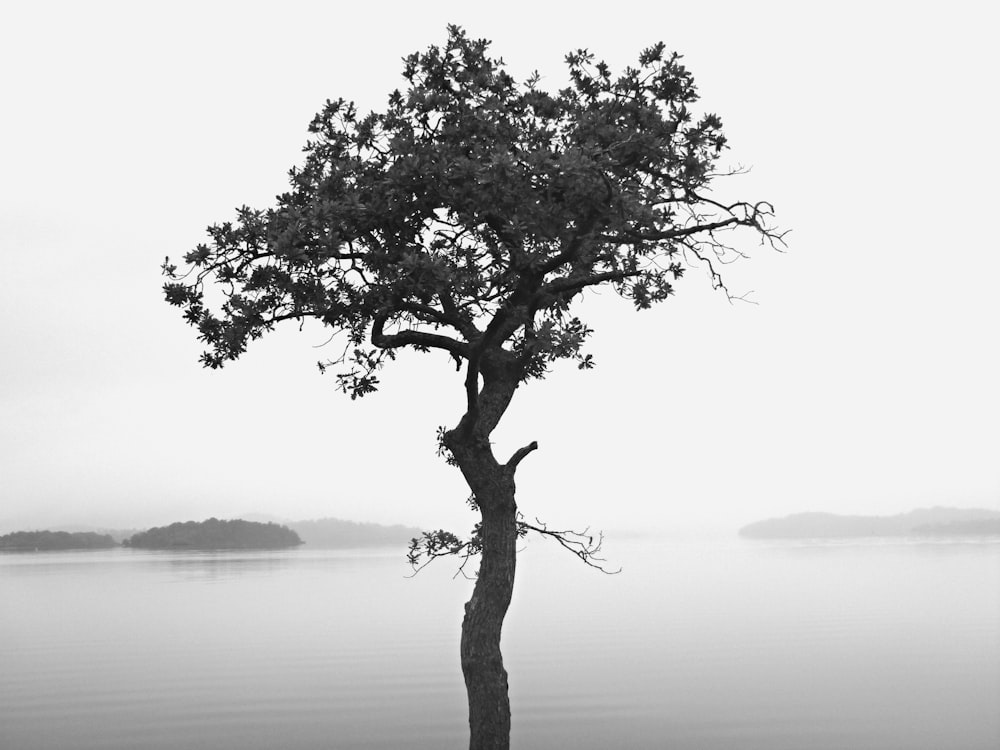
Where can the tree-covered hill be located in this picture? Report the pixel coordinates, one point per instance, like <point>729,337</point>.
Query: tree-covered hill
<point>55,540</point>
<point>215,534</point>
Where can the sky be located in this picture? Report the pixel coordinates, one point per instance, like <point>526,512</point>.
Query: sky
<point>863,379</point>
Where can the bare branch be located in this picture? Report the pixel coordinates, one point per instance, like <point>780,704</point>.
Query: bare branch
<point>672,234</point>
<point>520,454</point>
<point>580,543</point>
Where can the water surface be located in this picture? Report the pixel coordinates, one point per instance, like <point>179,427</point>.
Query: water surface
<point>700,645</point>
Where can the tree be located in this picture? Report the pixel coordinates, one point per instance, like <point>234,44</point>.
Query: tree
<point>467,219</point>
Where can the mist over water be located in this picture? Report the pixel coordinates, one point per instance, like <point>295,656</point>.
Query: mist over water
<point>695,644</point>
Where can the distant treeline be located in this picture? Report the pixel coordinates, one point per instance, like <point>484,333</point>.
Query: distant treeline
<point>55,540</point>
<point>940,522</point>
<point>333,532</point>
<point>215,534</point>
<point>984,526</point>
<point>219,534</point>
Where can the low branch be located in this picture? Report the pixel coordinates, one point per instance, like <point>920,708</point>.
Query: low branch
<point>520,454</point>
<point>431,545</point>
<point>580,543</point>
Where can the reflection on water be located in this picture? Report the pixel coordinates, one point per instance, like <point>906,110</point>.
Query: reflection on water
<point>721,644</point>
<point>219,566</point>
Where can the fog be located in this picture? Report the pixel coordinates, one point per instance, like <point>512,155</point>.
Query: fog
<point>862,380</point>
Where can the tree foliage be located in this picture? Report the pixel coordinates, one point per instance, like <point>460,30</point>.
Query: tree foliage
<point>469,214</point>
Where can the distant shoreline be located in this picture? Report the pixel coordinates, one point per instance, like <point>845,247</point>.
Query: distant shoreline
<point>925,522</point>
<point>37,541</point>
<point>215,534</point>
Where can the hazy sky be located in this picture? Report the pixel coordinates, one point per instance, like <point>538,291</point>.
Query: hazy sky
<point>864,381</point>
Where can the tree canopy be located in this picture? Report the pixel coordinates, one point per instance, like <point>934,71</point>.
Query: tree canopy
<point>469,214</point>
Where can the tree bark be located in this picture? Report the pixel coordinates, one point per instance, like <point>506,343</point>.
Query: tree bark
<point>492,485</point>
<point>482,662</point>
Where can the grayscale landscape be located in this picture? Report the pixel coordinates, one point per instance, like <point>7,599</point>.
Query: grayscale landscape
<point>888,642</point>
<point>443,375</point>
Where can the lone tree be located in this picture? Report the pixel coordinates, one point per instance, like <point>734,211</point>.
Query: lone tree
<point>468,218</point>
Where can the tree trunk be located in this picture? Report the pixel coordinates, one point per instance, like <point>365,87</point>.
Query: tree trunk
<point>492,486</point>
<point>482,663</point>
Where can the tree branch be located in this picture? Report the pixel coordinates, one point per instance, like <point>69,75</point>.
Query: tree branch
<point>570,284</point>
<point>414,338</point>
<point>571,248</point>
<point>431,545</point>
<point>455,316</point>
<point>670,234</point>
<point>580,543</point>
<point>471,394</point>
<point>520,453</point>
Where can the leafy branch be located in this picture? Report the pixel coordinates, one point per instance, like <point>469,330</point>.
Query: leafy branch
<point>431,545</point>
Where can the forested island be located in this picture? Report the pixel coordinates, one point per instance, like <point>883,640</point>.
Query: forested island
<point>936,522</point>
<point>55,540</point>
<point>215,534</point>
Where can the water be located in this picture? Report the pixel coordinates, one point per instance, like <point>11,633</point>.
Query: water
<point>695,645</point>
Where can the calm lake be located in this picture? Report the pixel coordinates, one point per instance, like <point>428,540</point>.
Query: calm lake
<point>726,643</point>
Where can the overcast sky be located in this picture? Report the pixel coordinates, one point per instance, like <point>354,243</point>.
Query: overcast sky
<point>865,380</point>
